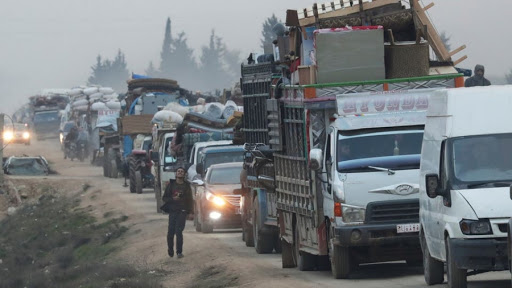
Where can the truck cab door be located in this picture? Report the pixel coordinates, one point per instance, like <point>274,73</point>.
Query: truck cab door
<point>327,176</point>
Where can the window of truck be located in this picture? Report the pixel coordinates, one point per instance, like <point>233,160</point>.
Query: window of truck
<point>477,161</point>
<point>395,150</point>
<point>168,158</point>
<point>49,116</point>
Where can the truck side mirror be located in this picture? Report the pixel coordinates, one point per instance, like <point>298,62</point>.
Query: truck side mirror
<point>155,156</point>
<point>199,168</point>
<point>432,185</point>
<point>315,159</point>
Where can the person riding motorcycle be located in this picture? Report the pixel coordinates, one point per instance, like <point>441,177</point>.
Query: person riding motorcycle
<point>70,138</point>
<point>83,137</point>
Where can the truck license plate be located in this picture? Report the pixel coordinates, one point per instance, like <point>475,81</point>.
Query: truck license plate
<point>407,228</point>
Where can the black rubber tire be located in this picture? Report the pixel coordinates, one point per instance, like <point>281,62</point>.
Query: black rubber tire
<point>305,261</point>
<point>131,173</point>
<point>196,220</point>
<point>433,269</point>
<point>206,228</point>
<point>138,182</point>
<point>340,262</point>
<point>457,278</point>
<point>277,242</point>
<point>114,173</point>
<point>249,237</point>
<point>287,255</point>
<point>263,244</point>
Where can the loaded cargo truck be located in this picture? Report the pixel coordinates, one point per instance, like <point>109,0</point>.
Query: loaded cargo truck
<point>341,169</point>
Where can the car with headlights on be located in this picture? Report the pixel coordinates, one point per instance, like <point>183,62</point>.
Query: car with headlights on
<point>16,133</point>
<point>216,205</point>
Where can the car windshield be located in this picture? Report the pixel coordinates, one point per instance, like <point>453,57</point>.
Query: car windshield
<point>396,150</point>
<point>17,127</point>
<point>223,157</point>
<point>225,175</point>
<point>46,116</point>
<point>68,126</point>
<point>482,158</point>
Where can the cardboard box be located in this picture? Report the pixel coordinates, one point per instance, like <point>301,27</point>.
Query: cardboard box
<point>350,54</point>
<point>307,75</point>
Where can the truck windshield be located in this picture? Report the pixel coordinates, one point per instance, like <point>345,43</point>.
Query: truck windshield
<point>394,150</point>
<point>168,158</point>
<point>49,116</point>
<point>481,159</point>
<point>223,157</point>
<point>227,175</point>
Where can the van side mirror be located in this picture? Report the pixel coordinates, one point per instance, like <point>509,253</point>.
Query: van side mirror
<point>432,185</point>
<point>315,159</point>
<point>155,156</point>
<point>199,168</point>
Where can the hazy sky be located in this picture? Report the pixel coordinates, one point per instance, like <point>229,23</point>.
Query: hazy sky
<point>53,43</point>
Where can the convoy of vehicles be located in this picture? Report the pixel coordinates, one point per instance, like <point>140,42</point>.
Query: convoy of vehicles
<point>16,133</point>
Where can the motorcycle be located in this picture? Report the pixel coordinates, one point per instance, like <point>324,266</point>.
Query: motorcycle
<point>81,152</point>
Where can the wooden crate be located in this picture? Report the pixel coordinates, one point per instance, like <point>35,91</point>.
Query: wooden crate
<point>307,75</point>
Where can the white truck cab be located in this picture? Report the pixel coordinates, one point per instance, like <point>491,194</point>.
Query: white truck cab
<point>465,184</point>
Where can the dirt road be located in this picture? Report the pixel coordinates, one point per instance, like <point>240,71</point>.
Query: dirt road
<point>219,259</point>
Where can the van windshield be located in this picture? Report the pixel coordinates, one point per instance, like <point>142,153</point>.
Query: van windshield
<point>223,157</point>
<point>481,158</point>
<point>395,150</point>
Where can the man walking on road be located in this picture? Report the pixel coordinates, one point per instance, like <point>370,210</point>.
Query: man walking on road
<point>478,79</point>
<point>178,203</point>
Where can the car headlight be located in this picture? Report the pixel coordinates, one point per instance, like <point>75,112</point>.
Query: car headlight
<point>475,227</point>
<point>26,135</point>
<point>61,138</point>
<point>352,214</point>
<point>8,135</point>
<point>215,199</point>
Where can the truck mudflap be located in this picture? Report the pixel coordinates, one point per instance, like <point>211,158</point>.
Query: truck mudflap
<point>480,254</point>
<point>378,243</point>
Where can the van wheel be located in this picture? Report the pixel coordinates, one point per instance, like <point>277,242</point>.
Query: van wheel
<point>433,269</point>
<point>457,278</point>
<point>196,220</point>
<point>340,262</point>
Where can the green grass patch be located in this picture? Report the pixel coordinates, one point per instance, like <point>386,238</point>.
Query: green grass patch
<point>55,243</point>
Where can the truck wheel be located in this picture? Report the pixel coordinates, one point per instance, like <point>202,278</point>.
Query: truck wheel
<point>287,255</point>
<point>263,244</point>
<point>277,242</point>
<point>248,234</point>
<point>106,172</point>
<point>457,278</point>
<point>305,261</point>
<point>138,182</point>
<point>340,262</point>
<point>433,269</point>
<point>113,169</point>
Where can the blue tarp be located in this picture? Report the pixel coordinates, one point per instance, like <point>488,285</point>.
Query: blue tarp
<point>127,146</point>
<point>139,76</point>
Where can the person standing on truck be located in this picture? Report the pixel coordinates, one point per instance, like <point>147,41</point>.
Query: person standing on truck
<point>478,79</point>
<point>178,203</point>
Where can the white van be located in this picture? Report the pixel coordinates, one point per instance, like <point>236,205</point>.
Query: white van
<point>465,184</point>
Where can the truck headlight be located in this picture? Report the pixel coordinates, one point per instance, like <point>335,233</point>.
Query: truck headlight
<point>352,214</point>
<point>215,199</point>
<point>475,227</point>
<point>26,135</point>
<point>8,135</point>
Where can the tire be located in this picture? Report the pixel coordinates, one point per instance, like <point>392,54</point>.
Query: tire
<point>263,244</point>
<point>138,182</point>
<point>206,228</point>
<point>196,220</point>
<point>433,269</point>
<point>457,278</point>
<point>131,173</point>
<point>113,169</point>
<point>340,262</point>
<point>277,242</point>
<point>287,255</point>
<point>249,237</point>
<point>106,172</point>
<point>305,261</point>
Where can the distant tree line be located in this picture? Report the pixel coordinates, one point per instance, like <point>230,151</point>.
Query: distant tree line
<point>217,67</point>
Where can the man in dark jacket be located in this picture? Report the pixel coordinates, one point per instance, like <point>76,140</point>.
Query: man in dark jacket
<point>179,203</point>
<point>478,79</point>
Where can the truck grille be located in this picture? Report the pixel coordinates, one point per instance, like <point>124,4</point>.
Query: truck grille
<point>400,211</point>
<point>232,199</point>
